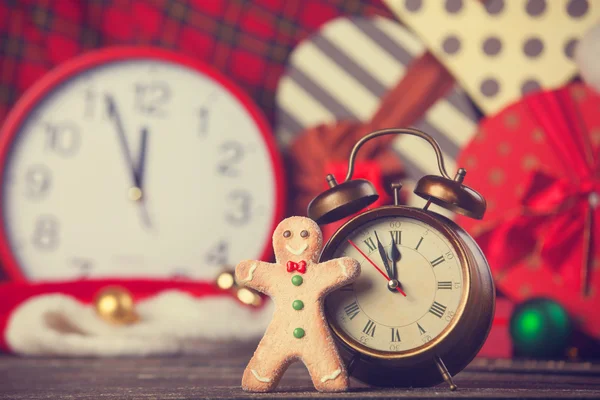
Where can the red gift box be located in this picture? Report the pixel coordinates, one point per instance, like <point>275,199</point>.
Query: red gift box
<point>537,164</point>
<point>499,343</point>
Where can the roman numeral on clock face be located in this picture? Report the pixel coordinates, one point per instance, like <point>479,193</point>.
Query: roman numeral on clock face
<point>437,261</point>
<point>418,244</point>
<point>352,310</point>
<point>370,244</point>
<point>396,236</point>
<point>437,309</point>
<point>421,330</point>
<point>445,285</point>
<point>369,328</point>
<point>395,335</point>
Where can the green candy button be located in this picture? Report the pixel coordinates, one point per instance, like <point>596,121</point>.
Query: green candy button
<point>298,305</point>
<point>298,333</point>
<point>297,280</point>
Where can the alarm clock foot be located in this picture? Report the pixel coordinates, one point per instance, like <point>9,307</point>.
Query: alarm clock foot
<point>351,364</point>
<point>445,374</point>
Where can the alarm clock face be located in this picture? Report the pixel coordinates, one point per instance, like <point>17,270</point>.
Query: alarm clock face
<point>426,265</point>
<point>136,163</point>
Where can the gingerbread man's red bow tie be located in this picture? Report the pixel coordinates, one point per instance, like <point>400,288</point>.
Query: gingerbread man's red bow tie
<point>294,266</point>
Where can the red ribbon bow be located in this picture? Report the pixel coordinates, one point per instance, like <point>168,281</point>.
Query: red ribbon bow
<point>555,218</point>
<point>557,214</point>
<point>294,266</point>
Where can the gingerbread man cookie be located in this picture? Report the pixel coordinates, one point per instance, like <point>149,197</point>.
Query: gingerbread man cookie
<point>298,284</point>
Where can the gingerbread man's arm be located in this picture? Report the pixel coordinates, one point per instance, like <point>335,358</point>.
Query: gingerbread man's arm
<point>338,272</point>
<point>257,275</point>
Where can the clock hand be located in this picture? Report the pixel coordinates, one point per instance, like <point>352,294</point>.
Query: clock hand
<point>394,257</point>
<point>137,172</point>
<point>139,169</point>
<point>383,256</point>
<point>139,177</point>
<point>116,118</point>
<point>376,267</point>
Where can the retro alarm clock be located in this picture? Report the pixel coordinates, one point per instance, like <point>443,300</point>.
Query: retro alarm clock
<point>135,162</point>
<point>424,302</point>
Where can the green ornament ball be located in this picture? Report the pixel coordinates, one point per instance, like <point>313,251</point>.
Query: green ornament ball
<point>540,328</point>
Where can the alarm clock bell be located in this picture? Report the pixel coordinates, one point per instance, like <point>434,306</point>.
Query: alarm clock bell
<point>352,195</point>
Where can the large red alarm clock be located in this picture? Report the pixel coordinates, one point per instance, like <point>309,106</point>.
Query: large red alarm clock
<point>135,162</point>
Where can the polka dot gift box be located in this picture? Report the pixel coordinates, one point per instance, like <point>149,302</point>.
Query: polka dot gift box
<point>498,49</point>
<point>537,162</point>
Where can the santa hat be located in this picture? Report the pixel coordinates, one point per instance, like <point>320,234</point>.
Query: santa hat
<point>62,318</point>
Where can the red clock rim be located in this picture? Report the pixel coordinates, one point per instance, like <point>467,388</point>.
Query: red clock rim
<point>94,58</point>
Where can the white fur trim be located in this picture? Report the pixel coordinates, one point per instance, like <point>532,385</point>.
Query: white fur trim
<point>171,322</point>
<point>296,252</point>
<point>260,378</point>
<point>331,376</point>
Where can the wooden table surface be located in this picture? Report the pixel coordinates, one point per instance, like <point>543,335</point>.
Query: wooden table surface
<point>218,376</point>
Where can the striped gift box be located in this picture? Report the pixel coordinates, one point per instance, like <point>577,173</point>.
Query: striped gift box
<point>343,71</point>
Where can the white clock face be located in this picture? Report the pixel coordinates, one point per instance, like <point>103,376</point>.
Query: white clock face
<point>428,271</point>
<point>80,161</point>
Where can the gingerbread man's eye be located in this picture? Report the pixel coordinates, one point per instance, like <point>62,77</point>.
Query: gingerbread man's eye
<point>287,234</point>
<point>304,234</point>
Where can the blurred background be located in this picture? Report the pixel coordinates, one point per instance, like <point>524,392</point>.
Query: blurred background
<point>147,146</point>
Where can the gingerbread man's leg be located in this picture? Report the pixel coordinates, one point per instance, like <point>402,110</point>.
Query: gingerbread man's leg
<point>265,369</point>
<point>325,366</point>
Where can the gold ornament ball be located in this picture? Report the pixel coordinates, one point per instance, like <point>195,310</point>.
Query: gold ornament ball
<point>249,297</point>
<point>115,305</point>
<point>226,280</point>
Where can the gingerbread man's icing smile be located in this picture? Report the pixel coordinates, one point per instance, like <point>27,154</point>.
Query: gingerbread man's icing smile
<point>296,252</point>
<point>298,284</point>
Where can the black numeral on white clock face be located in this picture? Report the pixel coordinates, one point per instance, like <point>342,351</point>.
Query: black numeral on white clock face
<point>240,209</point>
<point>151,98</point>
<point>232,155</point>
<point>419,243</point>
<point>45,234</point>
<point>63,139</point>
<point>444,285</point>
<point>396,236</point>
<point>203,114</point>
<point>370,244</point>
<point>218,254</point>
<point>352,310</point>
<point>437,261</point>
<point>90,100</point>
<point>395,335</point>
<point>369,328</point>
<point>84,265</point>
<point>437,309</point>
<point>38,179</point>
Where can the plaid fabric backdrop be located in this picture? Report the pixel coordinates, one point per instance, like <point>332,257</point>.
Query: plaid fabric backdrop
<point>249,41</point>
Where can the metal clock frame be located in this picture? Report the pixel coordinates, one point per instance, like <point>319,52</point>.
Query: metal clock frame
<point>456,345</point>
